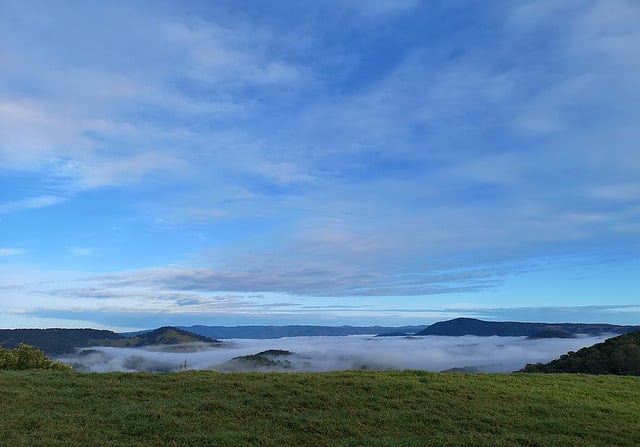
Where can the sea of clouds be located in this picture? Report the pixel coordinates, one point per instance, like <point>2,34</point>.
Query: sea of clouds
<point>432,353</point>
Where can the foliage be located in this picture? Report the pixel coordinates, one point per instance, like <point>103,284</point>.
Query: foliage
<point>357,408</point>
<point>551,333</point>
<point>28,357</point>
<point>269,360</point>
<point>167,335</point>
<point>55,341</point>
<point>63,341</point>
<point>618,355</point>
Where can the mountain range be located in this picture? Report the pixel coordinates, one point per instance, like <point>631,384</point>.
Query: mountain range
<point>267,332</point>
<point>61,341</point>
<point>472,326</point>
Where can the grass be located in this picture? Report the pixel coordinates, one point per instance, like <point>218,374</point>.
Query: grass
<point>411,408</point>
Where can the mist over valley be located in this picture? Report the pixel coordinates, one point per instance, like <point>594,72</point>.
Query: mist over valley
<point>316,354</point>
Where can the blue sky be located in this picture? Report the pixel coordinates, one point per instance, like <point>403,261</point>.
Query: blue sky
<point>326,162</point>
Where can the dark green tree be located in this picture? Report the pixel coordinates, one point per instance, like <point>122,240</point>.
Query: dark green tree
<point>28,357</point>
<point>617,355</point>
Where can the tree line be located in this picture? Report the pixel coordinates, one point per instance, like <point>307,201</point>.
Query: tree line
<point>618,355</point>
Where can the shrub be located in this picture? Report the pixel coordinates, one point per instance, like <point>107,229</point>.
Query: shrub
<point>28,357</point>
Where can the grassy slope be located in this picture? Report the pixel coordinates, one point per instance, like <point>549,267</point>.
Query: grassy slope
<point>342,408</point>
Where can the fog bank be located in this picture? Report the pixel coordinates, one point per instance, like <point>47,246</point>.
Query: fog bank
<point>432,353</point>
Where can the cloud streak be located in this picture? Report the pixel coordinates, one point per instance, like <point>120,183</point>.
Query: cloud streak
<point>307,280</point>
<point>30,203</point>
<point>12,251</point>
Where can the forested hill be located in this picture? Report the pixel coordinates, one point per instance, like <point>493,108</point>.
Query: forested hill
<point>166,335</point>
<point>55,341</point>
<point>618,355</point>
<point>472,326</point>
<point>64,341</point>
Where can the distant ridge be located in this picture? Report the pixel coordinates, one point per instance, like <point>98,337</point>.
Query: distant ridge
<point>551,333</point>
<point>471,326</point>
<point>268,332</point>
<point>55,341</point>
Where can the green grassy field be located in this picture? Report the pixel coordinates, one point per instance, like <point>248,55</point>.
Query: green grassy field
<point>42,408</point>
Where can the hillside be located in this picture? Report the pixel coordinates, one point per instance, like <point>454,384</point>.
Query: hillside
<point>551,333</point>
<point>167,335</point>
<point>472,326</point>
<point>265,361</point>
<point>357,408</point>
<point>617,355</point>
<point>56,341</point>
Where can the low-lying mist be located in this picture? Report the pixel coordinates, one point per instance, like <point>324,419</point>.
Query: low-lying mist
<point>432,353</point>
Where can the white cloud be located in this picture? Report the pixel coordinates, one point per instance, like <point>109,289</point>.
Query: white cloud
<point>12,251</point>
<point>282,173</point>
<point>289,276</point>
<point>205,215</point>
<point>624,309</point>
<point>116,171</point>
<point>81,251</point>
<point>373,9</point>
<point>31,203</point>
<point>618,191</point>
<point>232,54</point>
<point>30,132</point>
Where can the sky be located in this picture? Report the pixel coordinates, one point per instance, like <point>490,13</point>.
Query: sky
<point>325,162</point>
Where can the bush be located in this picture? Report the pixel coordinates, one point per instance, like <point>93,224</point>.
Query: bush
<point>28,357</point>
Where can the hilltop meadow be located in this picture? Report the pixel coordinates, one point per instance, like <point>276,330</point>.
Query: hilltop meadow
<point>352,408</point>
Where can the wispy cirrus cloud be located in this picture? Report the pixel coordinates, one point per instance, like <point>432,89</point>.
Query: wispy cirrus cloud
<point>81,251</point>
<point>30,203</point>
<point>300,280</point>
<point>12,251</point>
